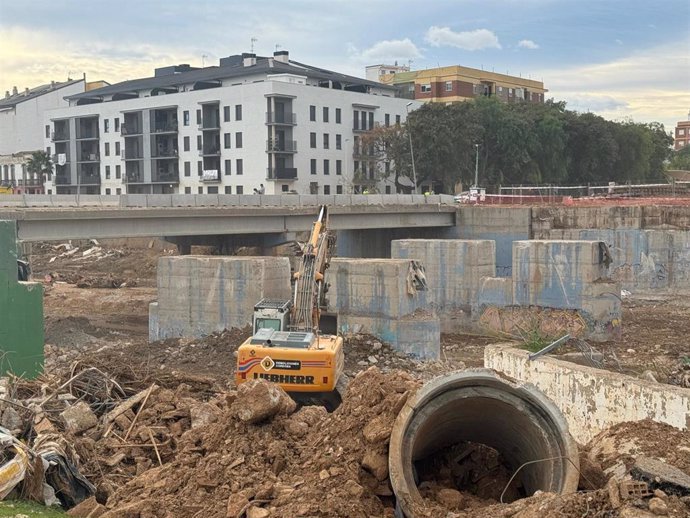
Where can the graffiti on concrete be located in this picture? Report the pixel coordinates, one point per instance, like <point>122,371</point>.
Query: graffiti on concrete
<point>519,321</point>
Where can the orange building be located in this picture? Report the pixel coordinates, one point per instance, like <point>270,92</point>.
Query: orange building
<point>682,134</point>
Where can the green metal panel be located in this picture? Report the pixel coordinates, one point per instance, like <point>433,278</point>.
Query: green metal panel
<point>21,313</point>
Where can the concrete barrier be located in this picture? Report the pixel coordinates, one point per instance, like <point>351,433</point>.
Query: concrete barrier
<point>593,399</point>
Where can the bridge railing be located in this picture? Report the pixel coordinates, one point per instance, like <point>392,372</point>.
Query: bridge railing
<point>216,200</point>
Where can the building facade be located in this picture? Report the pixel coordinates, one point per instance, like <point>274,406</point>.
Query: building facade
<point>226,129</point>
<point>681,135</point>
<point>22,132</point>
<point>457,83</point>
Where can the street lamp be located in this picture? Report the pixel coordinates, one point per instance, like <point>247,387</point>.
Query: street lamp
<point>409,132</point>
<point>476,167</point>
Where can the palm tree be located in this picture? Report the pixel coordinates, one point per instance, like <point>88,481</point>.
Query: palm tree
<point>40,165</point>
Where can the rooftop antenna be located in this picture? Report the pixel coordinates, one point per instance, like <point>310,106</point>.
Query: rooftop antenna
<point>203,60</point>
<point>278,46</point>
<point>253,40</point>
<point>409,63</point>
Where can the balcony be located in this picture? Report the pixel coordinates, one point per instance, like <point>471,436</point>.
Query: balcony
<point>89,157</point>
<point>87,135</point>
<point>210,125</point>
<point>209,152</point>
<point>165,153</point>
<point>281,146</point>
<point>170,127</point>
<point>62,180</point>
<point>281,173</point>
<point>130,129</point>
<point>89,179</point>
<point>166,177</point>
<point>59,136</point>
<point>278,118</point>
<point>133,177</point>
<point>210,176</point>
<point>29,182</point>
<point>132,155</point>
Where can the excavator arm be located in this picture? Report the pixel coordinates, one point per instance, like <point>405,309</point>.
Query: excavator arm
<point>309,279</point>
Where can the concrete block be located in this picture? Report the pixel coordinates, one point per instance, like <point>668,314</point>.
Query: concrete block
<point>198,295</point>
<point>110,200</point>
<point>418,335</point>
<point>593,399</point>
<point>359,199</point>
<point>250,200</point>
<point>206,200</point>
<point>432,199</point>
<point>159,200</point>
<point>309,200</point>
<point>324,199</point>
<point>65,200</point>
<point>228,200</point>
<point>134,200</point>
<point>38,200</point>
<point>447,199</point>
<point>183,200</point>
<point>495,291</point>
<point>290,200</point>
<point>90,200</point>
<point>374,199</point>
<point>12,200</point>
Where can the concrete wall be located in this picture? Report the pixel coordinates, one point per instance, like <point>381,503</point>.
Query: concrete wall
<point>454,271</point>
<point>557,287</point>
<point>198,295</point>
<point>593,399</point>
<point>500,224</point>
<point>376,296</point>
<point>21,313</point>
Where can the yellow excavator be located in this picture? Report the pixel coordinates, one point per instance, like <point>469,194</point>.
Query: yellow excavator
<point>287,346</point>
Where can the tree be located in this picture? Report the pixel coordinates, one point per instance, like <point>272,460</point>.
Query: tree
<point>680,159</point>
<point>388,144</point>
<point>40,165</point>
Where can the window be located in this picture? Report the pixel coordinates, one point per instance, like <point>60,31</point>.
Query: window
<point>284,188</point>
<point>227,140</point>
<point>238,139</point>
<point>312,140</point>
<point>48,150</point>
<point>212,189</point>
<point>326,143</point>
<point>325,113</point>
<point>313,165</point>
<point>107,149</point>
<point>188,169</point>
<point>338,167</point>
<point>356,166</point>
<point>117,124</point>
<point>107,191</point>
<point>397,120</point>
<point>118,191</point>
<point>312,113</point>
<point>188,190</point>
<point>337,116</point>
<point>48,131</point>
<point>388,167</point>
<point>239,189</point>
<point>106,125</point>
<point>387,119</point>
<point>239,169</point>
<point>327,189</point>
<point>363,126</point>
<point>199,142</point>
<point>200,190</point>
<point>338,189</point>
<point>107,172</point>
<point>425,89</point>
<point>186,144</point>
<point>185,117</point>
<point>228,167</point>
<point>338,142</point>
<point>388,189</point>
<point>449,88</point>
<point>198,116</point>
<point>371,120</point>
<point>199,168</point>
<point>355,119</point>
<point>681,131</point>
<point>238,112</point>
<point>226,113</point>
<point>228,189</point>
<point>326,167</point>
<point>118,173</point>
<point>117,149</point>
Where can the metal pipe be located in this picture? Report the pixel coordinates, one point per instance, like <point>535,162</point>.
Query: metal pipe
<point>478,406</point>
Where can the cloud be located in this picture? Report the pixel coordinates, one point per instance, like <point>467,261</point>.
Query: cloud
<point>469,40</point>
<point>528,44</point>
<point>388,50</point>
<point>649,85</point>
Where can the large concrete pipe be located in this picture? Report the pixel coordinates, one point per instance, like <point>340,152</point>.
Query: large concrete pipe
<point>519,422</point>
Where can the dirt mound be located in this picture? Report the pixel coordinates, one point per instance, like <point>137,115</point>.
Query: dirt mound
<point>307,464</point>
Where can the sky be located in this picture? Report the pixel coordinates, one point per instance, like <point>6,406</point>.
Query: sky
<point>620,59</point>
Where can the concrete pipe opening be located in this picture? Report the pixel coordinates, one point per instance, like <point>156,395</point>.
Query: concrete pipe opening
<point>477,411</point>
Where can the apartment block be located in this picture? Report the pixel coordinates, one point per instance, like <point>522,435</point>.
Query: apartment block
<point>682,134</point>
<point>22,131</point>
<point>457,83</point>
<point>224,129</point>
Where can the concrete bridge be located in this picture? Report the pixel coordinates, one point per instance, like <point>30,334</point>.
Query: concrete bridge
<point>218,219</point>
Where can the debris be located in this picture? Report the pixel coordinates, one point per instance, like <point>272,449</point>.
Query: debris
<point>258,400</point>
<point>89,508</point>
<point>660,475</point>
<point>78,418</point>
<point>658,506</point>
<point>11,419</point>
<point>632,489</point>
<point>13,470</point>
<point>451,498</point>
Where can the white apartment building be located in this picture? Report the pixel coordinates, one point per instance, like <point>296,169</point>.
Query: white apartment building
<point>22,129</point>
<point>223,129</point>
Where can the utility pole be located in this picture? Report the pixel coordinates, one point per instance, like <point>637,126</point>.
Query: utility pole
<point>409,133</point>
<point>476,167</point>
